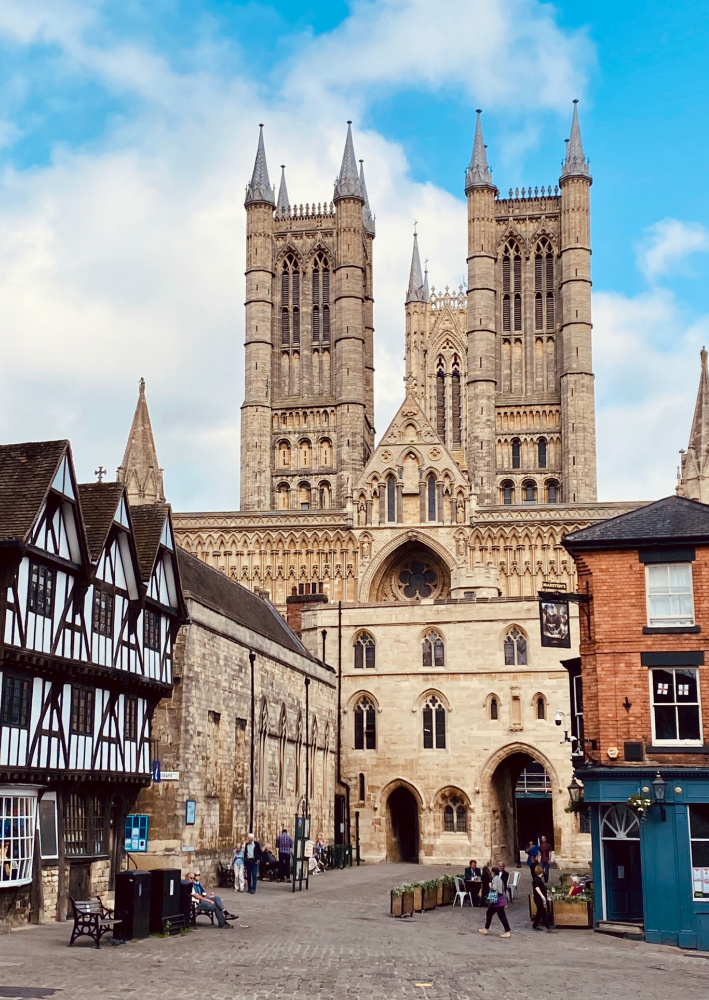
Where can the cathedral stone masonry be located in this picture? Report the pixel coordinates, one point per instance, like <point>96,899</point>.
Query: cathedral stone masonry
<point>451,524</point>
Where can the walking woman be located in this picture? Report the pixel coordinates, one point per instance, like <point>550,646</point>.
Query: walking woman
<point>541,902</point>
<point>496,906</point>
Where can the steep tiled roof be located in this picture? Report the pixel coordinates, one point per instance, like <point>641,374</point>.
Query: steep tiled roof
<point>670,520</point>
<point>211,587</point>
<point>99,502</point>
<point>148,521</point>
<point>26,473</point>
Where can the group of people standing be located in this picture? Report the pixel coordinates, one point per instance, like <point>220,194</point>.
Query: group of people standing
<point>493,888</point>
<point>245,860</point>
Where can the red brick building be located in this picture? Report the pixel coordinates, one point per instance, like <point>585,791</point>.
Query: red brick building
<point>640,711</point>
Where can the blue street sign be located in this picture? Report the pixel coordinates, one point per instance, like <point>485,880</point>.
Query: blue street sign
<point>156,770</point>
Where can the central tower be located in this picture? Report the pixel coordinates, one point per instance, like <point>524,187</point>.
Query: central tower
<point>307,427</point>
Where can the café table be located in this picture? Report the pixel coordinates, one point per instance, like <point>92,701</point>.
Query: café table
<point>473,886</point>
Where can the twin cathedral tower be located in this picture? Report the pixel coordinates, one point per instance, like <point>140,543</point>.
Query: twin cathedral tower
<point>502,374</point>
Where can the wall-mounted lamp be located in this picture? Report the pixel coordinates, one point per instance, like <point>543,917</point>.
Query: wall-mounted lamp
<point>659,786</point>
<point>575,793</point>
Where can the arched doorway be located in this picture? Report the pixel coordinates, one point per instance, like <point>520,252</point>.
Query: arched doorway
<point>402,826</point>
<point>522,808</point>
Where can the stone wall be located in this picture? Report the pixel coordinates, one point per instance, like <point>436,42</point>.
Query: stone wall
<point>15,906</point>
<point>483,755</point>
<point>203,733</point>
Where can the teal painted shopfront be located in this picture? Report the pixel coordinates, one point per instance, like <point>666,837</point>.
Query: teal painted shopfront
<point>652,869</point>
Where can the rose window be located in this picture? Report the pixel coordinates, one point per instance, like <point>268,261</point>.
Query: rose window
<point>417,581</point>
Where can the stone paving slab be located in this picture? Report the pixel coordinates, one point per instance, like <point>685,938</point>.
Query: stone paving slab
<point>338,942</point>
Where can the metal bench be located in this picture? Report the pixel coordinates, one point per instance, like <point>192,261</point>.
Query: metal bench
<point>226,876</point>
<point>92,919</point>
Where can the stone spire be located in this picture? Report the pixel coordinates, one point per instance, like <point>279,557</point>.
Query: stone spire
<point>479,173</point>
<point>140,469</point>
<point>426,292</point>
<point>347,184</point>
<point>283,205</point>
<point>366,211</point>
<point>418,289</point>
<point>694,475</point>
<point>260,187</point>
<point>575,164</point>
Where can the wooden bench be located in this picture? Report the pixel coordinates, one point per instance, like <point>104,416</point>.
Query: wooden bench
<point>92,919</point>
<point>196,912</point>
<point>226,876</point>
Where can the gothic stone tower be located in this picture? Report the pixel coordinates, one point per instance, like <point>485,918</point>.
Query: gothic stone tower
<point>307,426</point>
<point>529,388</point>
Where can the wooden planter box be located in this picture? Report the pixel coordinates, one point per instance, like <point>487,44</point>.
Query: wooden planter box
<point>571,914</point>
<point>448,893</point>
<point>418,899</point>
<point>403,905</point>
<point>429,899</point>
<point>567,914</point>
<point>439,894</point>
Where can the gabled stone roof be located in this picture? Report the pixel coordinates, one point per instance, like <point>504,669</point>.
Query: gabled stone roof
<point>217,591</point>
<point>27,472</point>
<point>669,521</point>
<point>99,502</point>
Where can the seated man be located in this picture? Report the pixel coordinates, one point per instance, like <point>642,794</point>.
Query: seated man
<point>473,882</point>
<point>208,902</point>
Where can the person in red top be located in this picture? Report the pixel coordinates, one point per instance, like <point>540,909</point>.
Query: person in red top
<point>545,856</point>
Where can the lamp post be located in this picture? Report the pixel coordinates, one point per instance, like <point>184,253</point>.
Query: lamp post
<point>252,660</point>
<point>659,786</point>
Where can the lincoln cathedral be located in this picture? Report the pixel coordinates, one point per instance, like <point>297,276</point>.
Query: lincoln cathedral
<point>410,561</point>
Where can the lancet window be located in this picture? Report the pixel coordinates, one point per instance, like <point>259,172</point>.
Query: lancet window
<point>321,301</point>
<point>511,287</point>
<point>544,286</point>
<point>290,303</point>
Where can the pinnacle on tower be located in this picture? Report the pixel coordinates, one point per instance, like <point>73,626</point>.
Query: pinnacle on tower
<point>366,210</point>
<point>418,289</point>
<point>426,293</point>
<point>479,173</point>
<point>347,184</point>
<point>694,479</point>
<point>140,469</point>
<point>575,164</point>
<point>283,205</point>
<point>260,190</point>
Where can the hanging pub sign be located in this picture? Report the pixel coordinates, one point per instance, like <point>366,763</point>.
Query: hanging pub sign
<point>554,619</point>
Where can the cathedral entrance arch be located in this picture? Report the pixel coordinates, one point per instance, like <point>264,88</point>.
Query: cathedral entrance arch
<point>402,825</point>
<point>412,571</point>
<point>520,784</point>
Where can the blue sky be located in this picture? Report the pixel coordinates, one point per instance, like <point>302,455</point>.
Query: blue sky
<point>127,133</point>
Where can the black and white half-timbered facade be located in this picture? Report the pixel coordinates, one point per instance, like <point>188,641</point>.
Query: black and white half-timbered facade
<point>90,607</point>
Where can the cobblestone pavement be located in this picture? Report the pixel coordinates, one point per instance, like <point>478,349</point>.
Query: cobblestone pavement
<point>338,942</point>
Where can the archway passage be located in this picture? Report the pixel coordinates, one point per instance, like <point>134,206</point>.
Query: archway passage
<point>402,826</point>
<point>522,806</point>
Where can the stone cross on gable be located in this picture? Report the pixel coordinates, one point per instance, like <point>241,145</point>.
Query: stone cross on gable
<point>410,382</point>
<point>100,473</point>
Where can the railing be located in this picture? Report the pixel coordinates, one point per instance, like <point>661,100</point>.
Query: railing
<point>338,856</point>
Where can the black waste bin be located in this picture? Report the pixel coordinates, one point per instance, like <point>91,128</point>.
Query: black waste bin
<point>186,902</point>
<point>164,897</point>
<point>133,902</point>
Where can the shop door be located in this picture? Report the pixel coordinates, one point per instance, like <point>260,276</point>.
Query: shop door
<point>624,894</point>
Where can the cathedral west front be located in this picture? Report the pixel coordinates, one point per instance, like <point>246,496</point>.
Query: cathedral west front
<point>417,556</point>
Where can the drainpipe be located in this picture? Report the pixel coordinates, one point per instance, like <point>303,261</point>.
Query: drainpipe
<point>252,660</point>
<point>307,743</point>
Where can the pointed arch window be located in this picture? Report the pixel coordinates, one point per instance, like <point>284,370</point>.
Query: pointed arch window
<point>365,725</point>
<point>391,499</point>
<point>541,707</point>
<point>538,311</point>
<point>321,300</point>
<point>516,454</point>
<point>441,401</point>
<point>455,404</point>
<point>518,312</point>
<point>290,302</point>
<point>544,286</point>
<point>506,314</point>
<point>515,648</point>
<point>298,755</point>
<point>262,737</point>
<point>431,497</point>
<point>494,709</point>
<point>542,453</point>
<point>434,724</point>
<point>461,819</point>
<point>448,819</point>
<point>433,650</point>
<point>364,652</point>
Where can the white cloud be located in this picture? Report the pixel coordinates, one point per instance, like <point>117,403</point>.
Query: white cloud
<point>646,385</point>
<point>667,243</point>
<point>126,259</point>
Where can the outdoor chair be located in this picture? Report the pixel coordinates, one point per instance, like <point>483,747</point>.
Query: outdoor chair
<point>461,893</point>
<point>512,883</point>
<point>226,876</point>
